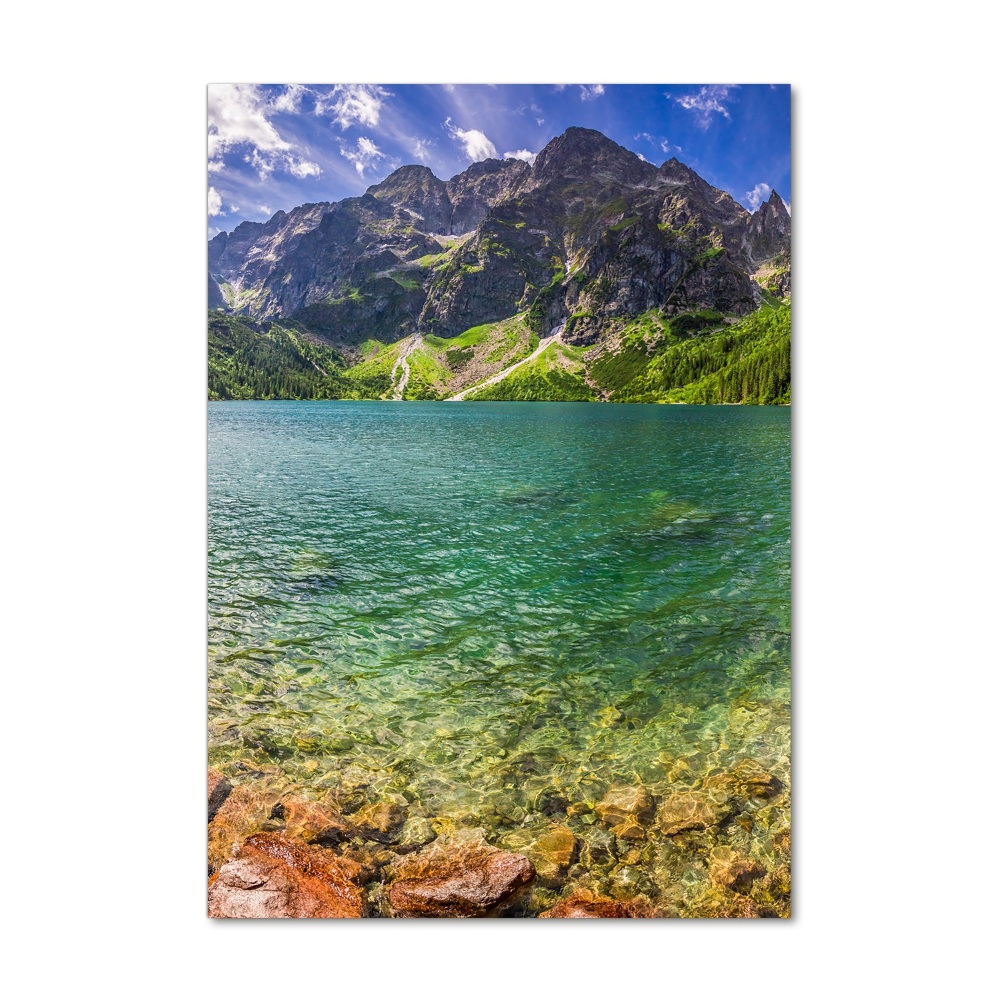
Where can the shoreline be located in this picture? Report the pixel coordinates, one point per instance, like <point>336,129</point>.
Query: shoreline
<point>275,854</point>
<point>502,402</point>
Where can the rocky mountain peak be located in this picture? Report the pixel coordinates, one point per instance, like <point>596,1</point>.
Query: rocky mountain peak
<point>413,175</point>
<point>416,190</point>
<point>771,219</point>
<point>675,172</point>
<point>775,209</point>
<point>583,153</point>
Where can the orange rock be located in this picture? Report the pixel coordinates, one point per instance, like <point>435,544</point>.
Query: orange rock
<point>470,879</point>
<point>244,811</point>
<point>273,877</point>
<point>586,904</point>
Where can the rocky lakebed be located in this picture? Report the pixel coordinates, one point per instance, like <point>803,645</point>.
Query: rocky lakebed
<point>713,846</point>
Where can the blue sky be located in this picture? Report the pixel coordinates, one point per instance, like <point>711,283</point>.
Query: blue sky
<point>272,147</point>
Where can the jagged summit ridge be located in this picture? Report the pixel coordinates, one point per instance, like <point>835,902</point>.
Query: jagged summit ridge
<point>589,233</point>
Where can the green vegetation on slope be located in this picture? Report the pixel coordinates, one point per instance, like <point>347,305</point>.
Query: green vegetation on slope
<point>749,362</point>
<point>555,375</point>
<point>480,351</point>
<point>691,358</point>
<point>247,360</point>
<point>428,375</point>
<point>372,377</point>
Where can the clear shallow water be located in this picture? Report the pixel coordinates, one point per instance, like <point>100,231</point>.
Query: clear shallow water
<point>495,611</point>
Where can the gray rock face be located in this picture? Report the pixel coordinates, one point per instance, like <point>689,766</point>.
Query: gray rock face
<point>589,232</point>
<point>769,231</point>
<point>476,190</point>
<point>420,194</point>
<point>768,244</point>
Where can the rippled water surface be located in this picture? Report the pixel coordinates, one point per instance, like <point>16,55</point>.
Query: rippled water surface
<point>496,611</point>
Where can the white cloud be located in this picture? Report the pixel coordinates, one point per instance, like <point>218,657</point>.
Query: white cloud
<point>641,157</point>
<point>758,195</point>
<point>787,204</point>
<point>708,101</point>
<point>264,210</point>
<point>422,149</point>
<point>474,142</point>
<point>591,91</point>
<point>234,208</point>
<point>214,203</point>
<point>644,135</point>
<point>667,148</point>
<point>304,168</point>
<point>521,154</point>
<point>353,104</point>
<point>290,99</point>
<point>364,156</point>
<point>237,116</point>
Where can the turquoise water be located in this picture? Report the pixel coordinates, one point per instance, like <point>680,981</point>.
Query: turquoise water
<point>496,611</point>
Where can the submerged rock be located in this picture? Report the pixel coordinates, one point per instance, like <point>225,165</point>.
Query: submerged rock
<point>733,871</point>
<point>417,831</point>
<point>585,904</point>
<point>245,810</point>
<point>783,840</point>
<point>683,812</point>
<point>773,892</point>
<point>380,821</point>
<point>630,829</point>
<point>313,822</point>
<point>553,852</point>
<point>747,780</point>
<point>219,788</point>
<point>460,878</point>
<point>720,902</point>
<point>273,877</point>
<point>626,809</point>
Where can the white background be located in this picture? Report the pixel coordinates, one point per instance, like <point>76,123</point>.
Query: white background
<point>895,512</point>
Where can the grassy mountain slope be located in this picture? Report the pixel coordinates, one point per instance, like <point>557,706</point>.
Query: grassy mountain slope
<point>698,357</point>
<point>556,374</point>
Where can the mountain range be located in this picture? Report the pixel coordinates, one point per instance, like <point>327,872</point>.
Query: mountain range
<point>587,274</point>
